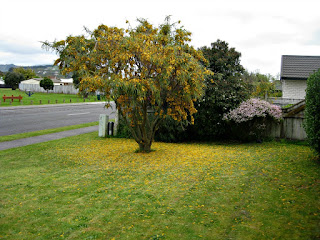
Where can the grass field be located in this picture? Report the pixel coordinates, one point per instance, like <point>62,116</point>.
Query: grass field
<point>45,98</point>
<point>85,187</point>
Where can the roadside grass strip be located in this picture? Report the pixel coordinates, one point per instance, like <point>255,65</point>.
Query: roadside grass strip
<point>43,132</point>
<point>85,187</point>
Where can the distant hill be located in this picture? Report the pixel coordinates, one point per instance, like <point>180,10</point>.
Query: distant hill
<point>40,70</point>
<point>6,67</point>
<point>46,71</point>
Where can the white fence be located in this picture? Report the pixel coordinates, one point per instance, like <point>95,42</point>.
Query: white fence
<point>67,89</point>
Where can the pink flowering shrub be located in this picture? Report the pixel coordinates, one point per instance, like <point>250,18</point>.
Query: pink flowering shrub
<point>251,119</point>
<point>253,108</point>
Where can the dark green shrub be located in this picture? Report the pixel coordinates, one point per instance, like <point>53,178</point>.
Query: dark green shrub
<point>123,129</point>
<point>312,111</point>
<point>171,131</point>
<point>225,90</point>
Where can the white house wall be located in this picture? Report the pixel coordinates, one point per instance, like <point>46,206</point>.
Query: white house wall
<point>294,89</point>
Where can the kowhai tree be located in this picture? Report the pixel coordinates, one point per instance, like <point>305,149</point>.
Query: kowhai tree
<point>150,72</point>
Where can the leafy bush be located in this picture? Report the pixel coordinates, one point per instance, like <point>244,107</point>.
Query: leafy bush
<point>171,131</point>
<point>312,111</point>
<point>249,120</point>
<point>253,108</point>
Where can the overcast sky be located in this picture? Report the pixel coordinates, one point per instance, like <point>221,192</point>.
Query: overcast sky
<point>262,30</point>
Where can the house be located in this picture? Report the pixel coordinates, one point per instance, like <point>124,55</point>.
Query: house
<point>67,81</point>
<point>56,82</point>
<point>36,81</point>
<point>32,81</point>
<point>295,71</point>
<point>2,83</point>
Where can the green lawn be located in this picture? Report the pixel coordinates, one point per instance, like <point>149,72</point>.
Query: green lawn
<point>85,187</point>
<point>45,98</point>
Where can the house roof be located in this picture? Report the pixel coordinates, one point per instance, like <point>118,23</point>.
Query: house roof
<point>56,81</point>
<point>298,67</point>
<point>31,81</point>
<point>37,81</point>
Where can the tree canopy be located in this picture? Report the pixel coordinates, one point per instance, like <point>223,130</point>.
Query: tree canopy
<point>224,91</point>
<point>261,85</point>
<point>13,79</point>
<point>46,83</point>
<point>150,72</point>
<point>27,73</point>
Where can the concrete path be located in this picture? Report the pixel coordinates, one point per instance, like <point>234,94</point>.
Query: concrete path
<point>47,137</point>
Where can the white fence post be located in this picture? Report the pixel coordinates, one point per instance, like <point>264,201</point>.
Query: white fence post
<point>103,125</point>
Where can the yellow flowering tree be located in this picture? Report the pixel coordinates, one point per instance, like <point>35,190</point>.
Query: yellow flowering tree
<point>150,72</point>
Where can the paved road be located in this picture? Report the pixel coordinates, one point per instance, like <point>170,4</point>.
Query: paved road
<point>22,119</point>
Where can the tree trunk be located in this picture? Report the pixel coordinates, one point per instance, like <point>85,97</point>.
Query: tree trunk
<point>143,133</point>
<point>145,147</point>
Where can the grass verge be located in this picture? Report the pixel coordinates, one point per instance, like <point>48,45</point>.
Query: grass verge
<point>45,98</point>
<point>85,187</point>
<point>43,132</point>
